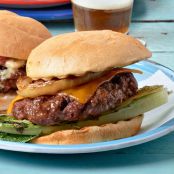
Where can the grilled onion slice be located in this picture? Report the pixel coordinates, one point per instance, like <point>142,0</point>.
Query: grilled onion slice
<point>28,88</point>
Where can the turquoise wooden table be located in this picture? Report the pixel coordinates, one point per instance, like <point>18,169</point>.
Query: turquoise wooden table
<point>153,21</point>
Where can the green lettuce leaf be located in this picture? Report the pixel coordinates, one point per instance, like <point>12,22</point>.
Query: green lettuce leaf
<point>9,124</point>
<point>15,137</point>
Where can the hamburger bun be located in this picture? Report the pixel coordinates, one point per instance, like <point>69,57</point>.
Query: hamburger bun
<point>19,35</point>
<point>93,134</point>
<point>81,52</point>
<point>25,24</point>
<point>6,12</point>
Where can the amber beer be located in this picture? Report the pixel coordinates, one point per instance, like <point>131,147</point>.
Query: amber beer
<point>102,14</point>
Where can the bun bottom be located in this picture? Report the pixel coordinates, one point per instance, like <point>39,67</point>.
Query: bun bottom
<point>93,134</point>
<point>5,100</point>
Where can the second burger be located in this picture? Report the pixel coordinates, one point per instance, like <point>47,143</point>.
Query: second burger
<point>18,36</point>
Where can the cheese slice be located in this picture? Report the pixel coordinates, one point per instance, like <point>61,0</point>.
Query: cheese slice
<point>83,92</point>
<point>10,107</point>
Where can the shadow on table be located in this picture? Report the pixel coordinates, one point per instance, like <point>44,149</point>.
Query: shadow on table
<point>152,152</point>
<point>139,10</point>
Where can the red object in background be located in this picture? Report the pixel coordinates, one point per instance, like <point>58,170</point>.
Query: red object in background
<point>32,2</point>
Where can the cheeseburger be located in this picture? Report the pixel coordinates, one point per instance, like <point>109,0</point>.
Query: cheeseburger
<point>76,90</point>
<point>18,36</point>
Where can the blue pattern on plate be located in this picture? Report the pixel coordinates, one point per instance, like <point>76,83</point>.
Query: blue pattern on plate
<point>148,68</point>
<point>46,14</point>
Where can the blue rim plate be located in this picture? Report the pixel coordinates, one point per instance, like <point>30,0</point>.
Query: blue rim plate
<point>47,14</point>
<point>37,6</point>
<point>148,68</point>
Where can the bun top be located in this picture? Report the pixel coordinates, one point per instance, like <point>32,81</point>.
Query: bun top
<point>81,52</point>
<point>19,35</point>
<point>6,12</point>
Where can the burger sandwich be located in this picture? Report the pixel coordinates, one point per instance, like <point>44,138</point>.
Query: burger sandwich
<point>18,36</point>
<point>76,90</point>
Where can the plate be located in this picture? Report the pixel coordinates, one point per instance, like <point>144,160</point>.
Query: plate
<point>46,14</point>
<point>32,3</point>
<point>148,68</point>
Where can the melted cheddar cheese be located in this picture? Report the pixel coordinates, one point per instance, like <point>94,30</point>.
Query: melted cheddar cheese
<point>83,92</point>
<point>10,107</point>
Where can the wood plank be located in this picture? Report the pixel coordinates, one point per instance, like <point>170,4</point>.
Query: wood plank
<point>78,164</point>
<point>166,59</point>
<point>153,10</point>
<point>107,162</point>
<point>59,27</point>
<point>159,36</point>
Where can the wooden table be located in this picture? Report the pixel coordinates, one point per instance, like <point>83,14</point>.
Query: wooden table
<point>153,21</point>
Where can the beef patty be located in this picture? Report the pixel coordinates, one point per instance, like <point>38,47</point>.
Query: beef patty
<point>9,84</point>
<point>52,110</point>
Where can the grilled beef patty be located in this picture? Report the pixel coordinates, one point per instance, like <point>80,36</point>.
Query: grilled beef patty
<point>52,110</point>
<point>9,84</point>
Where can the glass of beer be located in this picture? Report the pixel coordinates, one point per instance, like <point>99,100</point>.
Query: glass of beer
<point>102,14</point>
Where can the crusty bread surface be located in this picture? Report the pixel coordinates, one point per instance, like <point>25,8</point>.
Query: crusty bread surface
<point>80,52</point>
<point>93,134</point>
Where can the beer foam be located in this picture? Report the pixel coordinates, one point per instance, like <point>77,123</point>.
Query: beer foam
<point>104,4</point>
